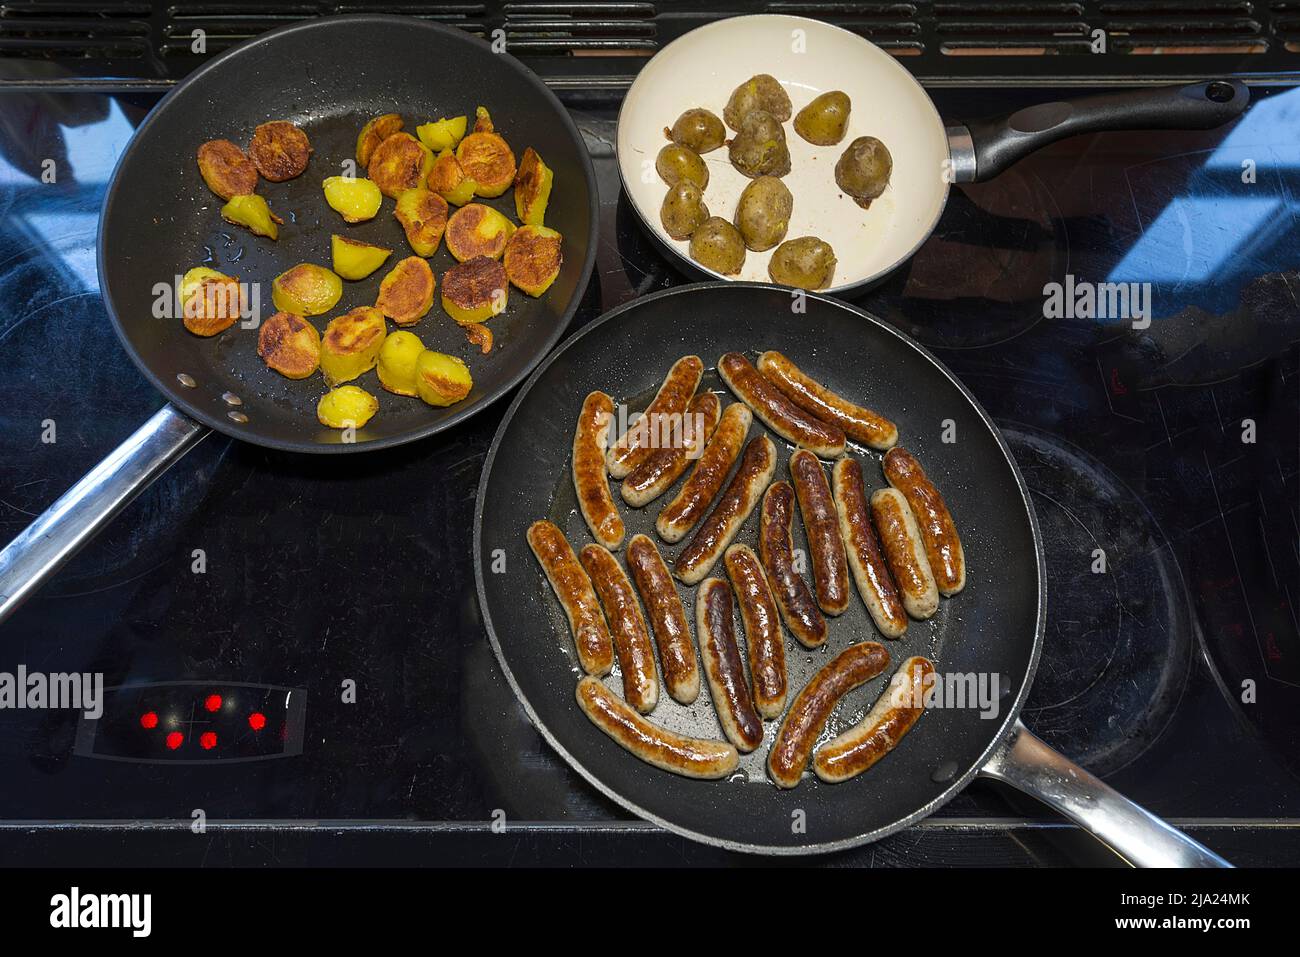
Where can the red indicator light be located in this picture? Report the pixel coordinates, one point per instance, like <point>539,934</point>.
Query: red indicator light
<point>175,740</point>
<point>208,740</point>
<point>149,720</point>
<point>212,702</point>
<point>257,721</point>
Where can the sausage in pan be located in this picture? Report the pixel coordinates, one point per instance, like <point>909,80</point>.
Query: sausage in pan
<point>663,467</point>
<point>891,717</point>
<point>667,618</point>
<point>642,438</point>
<point>594,499</point>
<point>863,425</point>
<point>702,485</point>
<point>756,469</point>
<point>636,659</point>
<point>866,560</point>
<point>573,588</point>
<point>776,411</point>
<point>762,622</point>
<point>938,532</point>
<point>776,550</point>
<point>723,668</point>
<point>826,547</point>
<point>901,541</point>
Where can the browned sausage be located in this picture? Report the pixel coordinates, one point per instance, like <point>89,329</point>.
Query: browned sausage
<point>636,658</point>
<point>776,549</point>
<point>863,425</point>
<point>645,435</point>
<point>663,467</point>
<point>776,411</point>
<point>826,547</point>
<point>705,481</point>
<point>723,667</point>
<point>854,666</point>
<point>573,588</point>
<point>891,717</point>
<point>689,757</point>
<point>938,531</point>
<point>667,618</point>
<point>901,541</point>
<point>757,466</point>
<point>866,560</point>
<point>762,622</point>
<point>589,481</point>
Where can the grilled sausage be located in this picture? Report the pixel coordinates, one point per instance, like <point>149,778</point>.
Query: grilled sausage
<point>643,436</point>
<point>776,411</point>
<point>594,500</point>
<point>573,588</point>
<point>776,549</point>
<point>891,717</point>
<point>938,532</point>
<point>901,541</point>
<point>689,757</point>
<point>636,658</point>
<point>723,668</point>
<point>854,666</point>
<point>697,492</point>
<point>757,466</point>
<point>826,547</point>
<point>663,467</point>
<point>667,618</point>
<point>863,425</point>
<point>866,561</point>
<point>762,630</point>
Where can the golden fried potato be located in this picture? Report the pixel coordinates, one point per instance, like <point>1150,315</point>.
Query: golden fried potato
<point>226,170</point>
<point>441,379</point>
<point>279,150</point>
<point>250,210</point>
<point>194,277</point>
<point>356,199</point>
<point>399,163</point>
<point>213,305</point>
<point>486,158</point>
<point>373,133</point>
<point>443,134</point>
<point>479,335</point>
<point>423,215</point>
<point>351,344</point>
<point>306,290</point>
<point>406,293</point>
<point>532,189</point>
<point>533,258</point>
<point>475,291</point>
<point>290,345</point>
<point>397,359</point>
<point>354,259</point>
<point>449,181</point>
<point>346,407</point>
<point>478,230</point>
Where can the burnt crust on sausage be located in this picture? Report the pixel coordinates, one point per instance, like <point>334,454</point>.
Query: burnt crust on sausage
<point>776,550</point>
<point>692,500</point>
<point>723,667</point>
<point>636,657</point>
<point>860,424</point>
<point>943,547</point>
<point>776,411</point>
<point>573,588</point>
<point>656,474</point>
<point>899,707</point>
<point>667,618</point>
<point>743,493</point>
<point>901,540</point>
<point>594,498</point>
<point>826,547</point>
<point>862,548</point>
<point>636,444</point>
<point>763,639</point>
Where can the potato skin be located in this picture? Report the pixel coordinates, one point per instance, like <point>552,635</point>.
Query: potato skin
<point>290,345</point>
<point>717,245</point>
<point>279,150</point>
<point>533,258</point>
<point>423,215</point>
<point>698,129</point>
<point>676,163</point>
<point>354,259</point>
<point>760,149</point>
<point>226,169</point>
<point>213,305</point>
<point>477,230</point>
<point>760,92</point>
<point>763,213</point>
<point>683,210</point>
<point>824,120</point>
<point>532,188</point>
<point>476,290</point>
<point>375,132</point>
<point>306,290</point>
<point>406,293</point>
<point>346,406</point>
<point>806,263</point>
<point>351,344</point>
<point>399,163</point>
<point>863,170</point>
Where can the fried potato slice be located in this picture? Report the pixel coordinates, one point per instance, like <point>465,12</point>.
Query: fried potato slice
<point>213,305</point>
<point>406,293</point>
<point>351,344</point>
<point>397,359</point>
<point>279,150</point>
<point>306,290</point>
<point>423,215</point>
<point>356,199</point>
<point>479,335</point>
<point>533,258</point>
<point>478,230</point>
<point>399,163</point>
<point>442,134</point>
<point>250,211</point>
<point>441,379</point>
<point>354,259</point>
<point>290,345</point>
<point>375,132</point>
<point>346,407</point>
<point>486,158</point>
<point>475,291</point>
<point>449,181</point>
<point>226,169</point>
<point>532,188</point>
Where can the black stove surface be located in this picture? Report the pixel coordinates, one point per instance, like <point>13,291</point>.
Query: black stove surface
<point>334,597</point>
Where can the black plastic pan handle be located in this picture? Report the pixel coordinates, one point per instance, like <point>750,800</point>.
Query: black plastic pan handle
<point>984,148</point>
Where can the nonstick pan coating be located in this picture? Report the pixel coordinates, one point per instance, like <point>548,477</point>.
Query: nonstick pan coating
<point>329,76</point>
<point>994,626</point>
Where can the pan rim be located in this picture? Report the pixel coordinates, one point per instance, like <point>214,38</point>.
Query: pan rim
<point>690,266</point>
<point>1005,729</point>
<point>179,401</point>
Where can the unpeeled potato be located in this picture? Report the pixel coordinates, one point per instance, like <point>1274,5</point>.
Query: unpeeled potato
<point>250,210</point>
<point>406,293</point>
<point>397,359</point>
<point>290,345</point>
<point>423,215</point>
<point>306,290</point>
<point>441,379</point>
<point>532,258</point>
<point>486,158</point>
<point>347,407</point>
<point>351,344</point>
<point>532,188</point>
<point>354,259</point>
<point>357,200</point>
<point>478,230</point>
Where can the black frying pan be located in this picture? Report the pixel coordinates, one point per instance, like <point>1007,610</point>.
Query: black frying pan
<point>327,75</point>
<point>995,626</point>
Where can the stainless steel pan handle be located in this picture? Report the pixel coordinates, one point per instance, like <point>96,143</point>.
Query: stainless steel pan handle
<point>1132,832</point>
<point>40,550</point>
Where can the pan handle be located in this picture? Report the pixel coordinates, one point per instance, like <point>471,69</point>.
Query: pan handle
<point>42,548</point>
<point>1132,832</point>
<point>984,148</point>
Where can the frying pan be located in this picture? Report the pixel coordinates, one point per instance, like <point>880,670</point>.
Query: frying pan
<point>159,219</point>
<point>994,627</point>
<point>809,57</point>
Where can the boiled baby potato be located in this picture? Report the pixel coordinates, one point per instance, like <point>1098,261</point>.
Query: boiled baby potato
<point>717,245</point>
<point>347,407</point>
<point>676,163</point>
<point>396,366</point>
<point>486,158</point>
<point>226,169</point>
<point>373,133</point>
<point>698,130</point>
<point>475,291</point>
<point>683,210</point>
<point>763,213</point>
<point>806,262</point>
<point>399,163</point>
<point>441,379</point>
<point>823,121</point>
<point>306,290</point>
<point>290,345</point>
<point>212,303</point>
<point>351,344</point>
<point>279,150</point>
<point>863,171</point>
<point>533,258</point>
<point>356,199</point>
<point>759,149</point>
<point>478,230</point>
<point>423,215</point>
<point>354,259</point>
<point>442,134</point>
<point>406,293</point>
<point>447,178</point>
<point>759,92</point>
<point>532,188</point>
<point>251,211</point>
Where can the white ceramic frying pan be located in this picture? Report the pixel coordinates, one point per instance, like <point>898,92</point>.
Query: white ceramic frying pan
<point>809,57</point>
